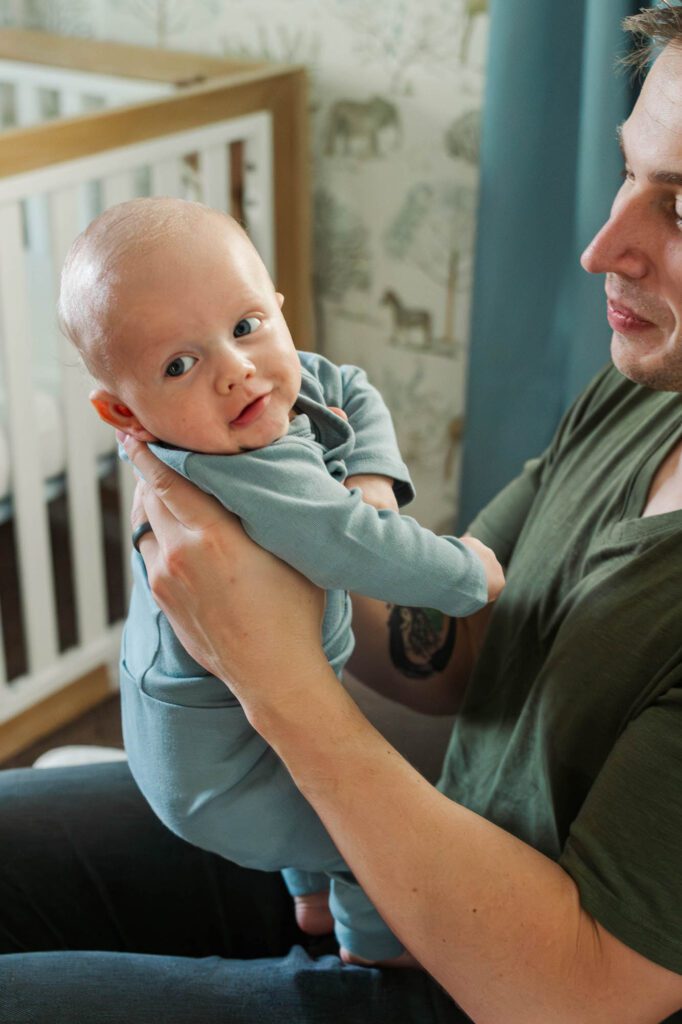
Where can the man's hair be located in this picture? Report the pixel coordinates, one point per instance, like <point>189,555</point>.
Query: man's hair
<point>653,29</point>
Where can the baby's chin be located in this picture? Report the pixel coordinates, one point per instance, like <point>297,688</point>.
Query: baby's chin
<point>233,447</point>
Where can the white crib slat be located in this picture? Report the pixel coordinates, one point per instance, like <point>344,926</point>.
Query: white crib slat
<point>27,109</point>
<point>85,522</point>
<point>27,104</point>
<point>37,589</point>
<point>166,177</point>
<point>258,198</point>
<point>215,175</point>
<point>118,188</point>
<point>71,103</point>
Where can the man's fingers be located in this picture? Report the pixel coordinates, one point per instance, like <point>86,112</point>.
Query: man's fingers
<point>181,499</point>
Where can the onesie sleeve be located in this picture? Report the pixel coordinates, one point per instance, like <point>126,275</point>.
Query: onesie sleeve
<point>289,504</point>
<point>376,448</point>
<point>625,846</point>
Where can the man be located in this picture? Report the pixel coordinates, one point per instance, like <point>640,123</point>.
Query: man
<point>542,883</point>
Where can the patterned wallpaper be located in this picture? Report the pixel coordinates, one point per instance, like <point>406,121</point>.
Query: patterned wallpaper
<point>396,91</point>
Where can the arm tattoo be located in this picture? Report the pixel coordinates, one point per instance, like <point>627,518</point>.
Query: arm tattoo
<point>421,640</point>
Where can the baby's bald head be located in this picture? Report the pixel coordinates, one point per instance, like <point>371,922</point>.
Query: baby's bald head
<point>110,254</point>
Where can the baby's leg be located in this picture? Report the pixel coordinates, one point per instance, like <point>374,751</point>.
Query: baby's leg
<point>361,932</point>
<point>310,890</point>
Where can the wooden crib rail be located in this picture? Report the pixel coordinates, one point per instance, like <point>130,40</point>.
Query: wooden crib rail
<point>279,90</point>
<point>120,59</point>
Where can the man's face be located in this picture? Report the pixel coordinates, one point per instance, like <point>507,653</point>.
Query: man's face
<point>200,350</point>
<point>640,246</point>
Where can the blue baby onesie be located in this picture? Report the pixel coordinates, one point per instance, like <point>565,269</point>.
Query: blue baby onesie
<point>204,770</point>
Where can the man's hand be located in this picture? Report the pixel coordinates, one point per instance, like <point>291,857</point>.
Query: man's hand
<point>376,490</point>
<point>493,570</point>
<point>222,593</point>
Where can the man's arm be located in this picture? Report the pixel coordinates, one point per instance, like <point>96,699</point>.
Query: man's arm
<point>418,657</point>
<point>497,923</point>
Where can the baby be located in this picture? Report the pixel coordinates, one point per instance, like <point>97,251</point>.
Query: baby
<point>178,321</point>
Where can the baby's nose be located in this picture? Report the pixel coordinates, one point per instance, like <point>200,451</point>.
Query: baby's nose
<point>234,369</point>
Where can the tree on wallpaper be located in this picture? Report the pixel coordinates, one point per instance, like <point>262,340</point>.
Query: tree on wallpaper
<point>167,19</point>
<point>463,138</point>
<point>275,41</point>
<point>401,35</point>
<point>424,437</point>
<point>433,232</point>
<point>67,17</point>
<point>342,259</point>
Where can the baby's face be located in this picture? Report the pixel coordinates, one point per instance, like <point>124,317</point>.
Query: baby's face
<point>199,348</point>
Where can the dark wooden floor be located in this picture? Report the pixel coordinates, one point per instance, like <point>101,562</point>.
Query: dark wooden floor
<point>101,726</point>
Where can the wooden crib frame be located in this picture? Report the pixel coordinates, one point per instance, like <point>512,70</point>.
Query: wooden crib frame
<point>209,96</point>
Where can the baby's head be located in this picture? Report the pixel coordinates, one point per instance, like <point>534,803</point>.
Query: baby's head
<point>176,318</point>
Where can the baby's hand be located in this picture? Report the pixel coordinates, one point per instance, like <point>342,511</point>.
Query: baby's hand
<point>376,490</point>
<point>493,570</point>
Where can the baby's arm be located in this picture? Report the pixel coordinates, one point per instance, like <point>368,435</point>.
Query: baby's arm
<point>375,464</point>
<point>290,505</point>
<point>377,490</point>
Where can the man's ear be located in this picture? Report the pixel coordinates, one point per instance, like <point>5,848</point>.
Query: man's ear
<point>280,299</point>
<point>112,410</point>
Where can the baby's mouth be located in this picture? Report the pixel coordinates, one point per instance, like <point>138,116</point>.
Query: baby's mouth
<point>251,411</point>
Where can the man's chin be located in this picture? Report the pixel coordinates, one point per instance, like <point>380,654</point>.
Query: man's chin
<point>652,370</point>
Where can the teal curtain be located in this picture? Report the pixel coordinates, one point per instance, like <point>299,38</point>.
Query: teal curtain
<point>550,167</point>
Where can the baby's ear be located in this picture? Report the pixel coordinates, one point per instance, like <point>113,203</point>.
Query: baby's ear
<point>280,299</point>
<point>112,410</point>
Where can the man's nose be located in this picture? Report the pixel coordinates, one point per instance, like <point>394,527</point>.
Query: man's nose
<point>234,368</point>
<point>620,246</point>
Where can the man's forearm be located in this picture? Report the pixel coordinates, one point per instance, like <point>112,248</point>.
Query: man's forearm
<point>418,657</point>
<point>497,923</point>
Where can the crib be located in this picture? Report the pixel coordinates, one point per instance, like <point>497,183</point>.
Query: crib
<point>86,125</point>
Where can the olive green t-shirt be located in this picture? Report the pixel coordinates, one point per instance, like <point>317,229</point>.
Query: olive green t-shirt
<point>570,736</point>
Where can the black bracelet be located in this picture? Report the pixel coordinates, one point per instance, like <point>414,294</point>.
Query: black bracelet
<point>139,532</point>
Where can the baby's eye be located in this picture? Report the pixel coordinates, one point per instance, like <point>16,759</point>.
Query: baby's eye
<point>247,326</point>
<point>180,365</point>
<point>678,212</point>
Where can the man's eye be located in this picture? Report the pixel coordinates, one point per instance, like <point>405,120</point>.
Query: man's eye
<point>247,326</point>
<point>180,366</point>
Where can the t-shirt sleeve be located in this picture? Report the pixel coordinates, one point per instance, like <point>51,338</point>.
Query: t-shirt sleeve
<point>625,847</point>
<point>500,523</point>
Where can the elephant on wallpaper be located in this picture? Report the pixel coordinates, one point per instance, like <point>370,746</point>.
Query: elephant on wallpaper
<point>351,122</point>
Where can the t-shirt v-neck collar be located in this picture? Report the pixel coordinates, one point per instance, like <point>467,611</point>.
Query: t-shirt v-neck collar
<point>637,493</point>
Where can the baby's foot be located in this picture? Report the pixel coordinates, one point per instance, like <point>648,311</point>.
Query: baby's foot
<point>313,915</point>
<point>404,960</point>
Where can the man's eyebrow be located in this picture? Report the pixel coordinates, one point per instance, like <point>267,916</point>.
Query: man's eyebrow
<point>655,177</point>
